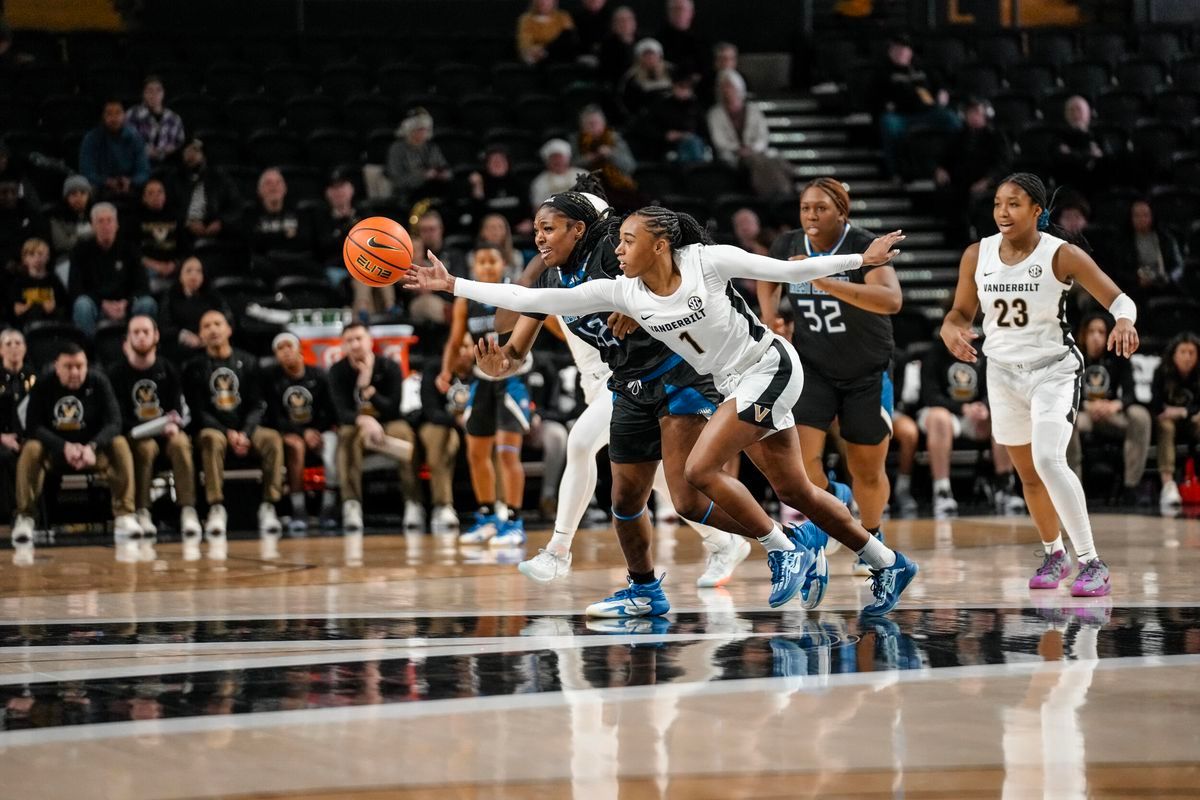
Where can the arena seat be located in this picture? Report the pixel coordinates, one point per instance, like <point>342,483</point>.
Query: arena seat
<point>1031,79</point>
<point>226,78</point>
<point>1165,45</point>
<point>399,81</point>
<point>1052,48</point>
<point>1120,108</point>
<point>251,112</point>
<point>286,79</point>
<point>43,338</point>
<point>332,147</point>
<point>1142,75</point>
<point>196,110</point>
<point>304,292</point>
<point>1154,143</point>
<point>1187,74</point>
<point>457,80</point>
<point>268,147</point>
<point>946,53</point>
<point>978,80</point>
<point>63,112</point>
<point>340,80</point>
<point>306,113</point>
<point>538,112</point>
<point>369,111</point>
<point>999,49</point>
<point>1177,105</point>
<point>1107,47</point>
<point>1014,111</point>
<point>520,144</point>
<point>221,146</point>
<point>711,179</point>
<point>513,79</point>
<point>479,112</point>
<point>1088,78</point>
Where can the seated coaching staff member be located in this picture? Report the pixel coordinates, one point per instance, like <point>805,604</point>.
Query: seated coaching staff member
<point>366,395</point>
<point>223,390</point>
<point>300,408</point>
<point>73,422</point>
<point>148,388</point>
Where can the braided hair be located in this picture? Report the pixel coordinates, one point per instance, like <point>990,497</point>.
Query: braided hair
<point>576,206</point>
<point>678,228</point>
<point>1033,186</point>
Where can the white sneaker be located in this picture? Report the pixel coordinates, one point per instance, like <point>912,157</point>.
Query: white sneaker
<point>1169,501</point>
<point>546,566</point>
<point>414,516</point>
<point>444,520</point>
<point>218,547</point>
<point>146,551</point>
<point>268,520</point>
<point>906,504</point>
<point>217,521</point>
<point>297,526</point>
<point>944,506</point>
<point>146,522</point>
<point>189,523</point>
<point>722,561</point>
<point>191,546</point>
<point>126,526</point>
<point>1010,505</point>
<point>352,516</point>
<point>22,541</point>
<point>268,546</point>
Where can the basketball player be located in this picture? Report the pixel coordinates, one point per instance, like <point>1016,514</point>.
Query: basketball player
<point>497,415</point>
<point>677,285</point>
<point>1021,277</point>
<point>843,330</point>
<point>588,436</point>
<point>658,405</point>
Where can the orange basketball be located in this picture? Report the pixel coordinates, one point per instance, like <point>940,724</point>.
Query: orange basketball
<point>377,251</point>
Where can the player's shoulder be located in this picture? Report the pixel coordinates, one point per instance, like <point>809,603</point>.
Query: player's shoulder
<point>971,253</point>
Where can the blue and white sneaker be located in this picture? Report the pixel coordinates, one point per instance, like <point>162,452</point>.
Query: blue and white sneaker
<point>511,533</point>
<point>840,490</point>
<point>486,526</point>
<point>861,567</point>
<point>638,600</point>
<point>889,583</point>
<point>789,569</point>
<point>816,580</point>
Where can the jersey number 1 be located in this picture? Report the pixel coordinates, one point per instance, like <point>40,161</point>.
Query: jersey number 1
<point>687,338</point>
<point>1020,317</point>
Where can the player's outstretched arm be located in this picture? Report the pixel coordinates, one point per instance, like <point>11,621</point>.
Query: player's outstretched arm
<point>506,320</point>
<point>1072,263</point>
<point>733,262</point>
<point>956,327</point>
<point>587,298</point>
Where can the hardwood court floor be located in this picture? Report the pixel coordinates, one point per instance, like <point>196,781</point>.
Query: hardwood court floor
<point>411,667</point>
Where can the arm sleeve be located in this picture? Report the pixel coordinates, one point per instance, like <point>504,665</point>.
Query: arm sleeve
<point>731,262</point>
<point>325,416</point>
<point>587,298</point>
<point>107,399</point>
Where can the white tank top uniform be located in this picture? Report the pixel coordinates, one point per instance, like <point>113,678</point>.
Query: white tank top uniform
<point>1033,366</point>
<point>704,320</point>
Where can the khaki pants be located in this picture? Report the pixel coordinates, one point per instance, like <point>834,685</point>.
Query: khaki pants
<point>350,460</point>
<point>265,441</point>
<point>1132,425</point>
<point>441,444</point>
<point>1168,430</point>
<point>114,462</point>
<point>372,299</point>
<point>179,453</point>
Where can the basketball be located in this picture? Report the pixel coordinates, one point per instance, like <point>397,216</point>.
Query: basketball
<point>377,251</point>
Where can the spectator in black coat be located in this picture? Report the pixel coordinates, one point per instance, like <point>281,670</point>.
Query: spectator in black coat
<point>333,221</point>
<point>182,307</point>
<point>70,220</point>
<point>1079,158</point>
<point>592,21</point>
<point>681,46</point>
<point>669,127</point>
<point>281,236</point>
<point>907,96</point>
<point>1150,259</point>
<point>19,220</point>
<point>616,49</point>
<point>107,278</point>
<point>495,190</point>
<point>158,232</point>
<point>17,378</point>
<point>210,207</point>
<point>646,81</point>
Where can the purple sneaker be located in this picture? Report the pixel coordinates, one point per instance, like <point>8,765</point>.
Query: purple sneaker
<point>1092,580</point>
<point>1055,567</point>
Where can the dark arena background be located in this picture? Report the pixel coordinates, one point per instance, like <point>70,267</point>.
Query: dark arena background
<point>270,532</point>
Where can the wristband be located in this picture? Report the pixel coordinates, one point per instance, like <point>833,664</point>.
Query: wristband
<point>1124,308</point>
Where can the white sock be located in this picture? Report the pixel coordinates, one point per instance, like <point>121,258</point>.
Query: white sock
<point>941,485</point>
<point>298,507</point>
<point>560,543</point>
<point>903,483</point>
<point>877,554</point>
<point>776,540</point>
<point>1055,546</point>
<point>501,511</point>
<point>715,538</point>
<point>1050,440</point>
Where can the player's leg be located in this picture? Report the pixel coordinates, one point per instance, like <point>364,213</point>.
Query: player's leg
<point>587,437</point>
<point>481,439</point>
<point>906,435</point>
<point>941,428</point>
<point>725,550</point>
<point>865,422</point>
<point>513,418</point>
<point>1055,398</point>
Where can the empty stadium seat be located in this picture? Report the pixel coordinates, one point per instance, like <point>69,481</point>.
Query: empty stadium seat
<point>44,339</point>
<point>332,147</point>
<point>1142,75</point>
<point>1032,79</point>
<point>270,147</point>
<point>340,80</point>
<point>479,112</point>
<point>1053,48</point>
<point>1088,78</point>
<point>250,112</point>
<point>306,113</point>
<point>1000,50</point>
<point>369,111</point>
<point>1014,111</point>
<point>512,79</point>
<point>1120,108</point>
<point>286,79</point>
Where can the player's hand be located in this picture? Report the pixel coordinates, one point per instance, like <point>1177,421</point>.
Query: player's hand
<point>621,325</point>
<point>491,358</point>
<point>434,278</point>
<point>958,342</point>
<point>1124,339</point>
<point>883,249</point>
<point>442,381</point>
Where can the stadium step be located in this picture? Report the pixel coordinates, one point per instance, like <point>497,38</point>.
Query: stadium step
<point>790,105</point>
<point>880,205</point>
<point>809,171</point>
<point>829,154</point>
<point>789,137</point>
<point>818,121</point>
<point>940,276</point>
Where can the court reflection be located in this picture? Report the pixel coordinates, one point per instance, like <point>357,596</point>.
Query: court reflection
<point>439,658</point>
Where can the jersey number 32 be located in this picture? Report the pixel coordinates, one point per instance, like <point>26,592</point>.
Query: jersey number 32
<point>829,318</point>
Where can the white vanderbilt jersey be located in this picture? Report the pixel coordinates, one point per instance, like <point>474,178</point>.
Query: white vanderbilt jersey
<point>1024,305</point>
<point>705,320</point>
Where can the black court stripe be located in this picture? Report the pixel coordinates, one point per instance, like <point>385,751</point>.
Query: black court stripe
<point>757,330</point>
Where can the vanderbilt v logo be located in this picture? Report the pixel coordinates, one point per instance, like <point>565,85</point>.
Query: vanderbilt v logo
<point>760,413</point>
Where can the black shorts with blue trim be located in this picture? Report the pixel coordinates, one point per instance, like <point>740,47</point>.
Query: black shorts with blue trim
<point>498,405</point>
<point>671,389</point>
<point>863,407</point>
